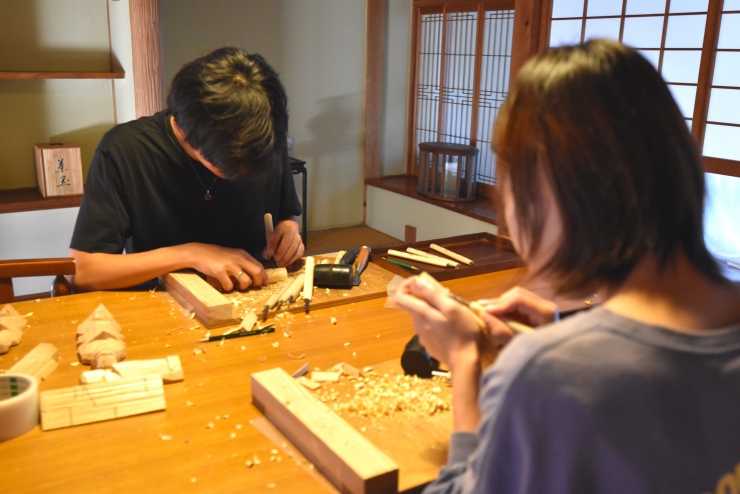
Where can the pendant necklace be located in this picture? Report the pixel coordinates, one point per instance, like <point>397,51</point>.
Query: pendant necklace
<point>208,196</point>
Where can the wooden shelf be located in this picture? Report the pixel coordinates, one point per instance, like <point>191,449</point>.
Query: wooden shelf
<point>482,208</point>
<point>30,199</point>
<point>16,74</point>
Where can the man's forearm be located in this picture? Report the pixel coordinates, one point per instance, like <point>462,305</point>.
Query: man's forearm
<point>98,271</point>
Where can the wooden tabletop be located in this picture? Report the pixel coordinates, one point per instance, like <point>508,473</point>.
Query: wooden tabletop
<point>130,454</point>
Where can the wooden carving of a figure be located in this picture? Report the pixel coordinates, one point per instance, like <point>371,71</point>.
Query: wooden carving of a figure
<point>11,328</point>
<point>100,340</point>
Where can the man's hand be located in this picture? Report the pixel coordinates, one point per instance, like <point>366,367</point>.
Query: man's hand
<point>229,266</point>
<point>285,245</point>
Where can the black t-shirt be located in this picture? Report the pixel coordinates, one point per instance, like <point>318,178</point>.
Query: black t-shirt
<point>142,193</point>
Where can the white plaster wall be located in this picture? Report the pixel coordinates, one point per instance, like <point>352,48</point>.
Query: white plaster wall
<point>318,47</point>
<point>35,234</point>
<point>389,213</point>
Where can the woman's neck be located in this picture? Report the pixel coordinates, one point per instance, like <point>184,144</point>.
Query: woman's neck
<point>677,297</point>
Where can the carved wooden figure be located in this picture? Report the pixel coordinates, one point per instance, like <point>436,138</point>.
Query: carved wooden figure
<point>100,340</point>
<point>11,328</point>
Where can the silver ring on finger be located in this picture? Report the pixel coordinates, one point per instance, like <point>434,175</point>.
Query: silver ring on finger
<point>239,273</point>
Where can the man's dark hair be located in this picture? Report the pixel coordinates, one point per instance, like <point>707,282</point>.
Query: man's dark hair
<point>597,124</point>
<point>233,109</point>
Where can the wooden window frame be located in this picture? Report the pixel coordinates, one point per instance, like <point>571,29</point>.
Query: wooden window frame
<point>704,84</point>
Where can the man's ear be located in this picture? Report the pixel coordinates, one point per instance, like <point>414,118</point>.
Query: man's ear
<point>176,129</point>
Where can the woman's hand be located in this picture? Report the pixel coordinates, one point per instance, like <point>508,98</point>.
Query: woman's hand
<point>447,330</point>
<point>518,304</point>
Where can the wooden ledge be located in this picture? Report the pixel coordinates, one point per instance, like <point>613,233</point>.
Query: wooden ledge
<point>30,199</point>
<point>482,208</point>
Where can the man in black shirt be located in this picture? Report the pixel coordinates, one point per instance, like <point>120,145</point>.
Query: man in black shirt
<point>189,186</point>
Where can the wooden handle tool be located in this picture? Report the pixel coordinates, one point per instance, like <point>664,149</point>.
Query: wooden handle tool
<point>308,281</point>
<point>268,228</point>
<point>360,263</point>
<point>291,294</point>
<point>451,254</point>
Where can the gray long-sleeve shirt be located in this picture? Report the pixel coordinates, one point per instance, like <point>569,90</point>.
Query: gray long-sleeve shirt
<point>602,403</point>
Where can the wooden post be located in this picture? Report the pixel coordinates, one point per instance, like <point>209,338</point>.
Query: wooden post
<point>146,41</point>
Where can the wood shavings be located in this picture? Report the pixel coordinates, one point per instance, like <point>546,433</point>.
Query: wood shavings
<point>287,334</point>
<point>28,315</point>
<point>193,479</point>
<point>210,425</point>
<point>263,359</point>
<point>233,435</point>
<point>243,348</point>
<point>333,320</point>
<point>165,437</point>
<point>367,369</point>
<point>298,356</point>
<point>271,485</point>
<point>346,343</point>
<point>275,344</point>
<point>249,463</point>
<point>302,371</point>
<point>238,426</point>
<point>37,300</point>
<point>133,298</point>
<point>189,403</point>
<point>74,364</point>
<point>199,350</point>
<point>384,396</point>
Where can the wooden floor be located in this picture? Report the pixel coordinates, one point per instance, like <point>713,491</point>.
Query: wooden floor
<point>324,241</point>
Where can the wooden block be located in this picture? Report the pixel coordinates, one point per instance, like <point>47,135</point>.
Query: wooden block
<point>323,377</point>
<point>276,275</point>
<point>302,371</point>
<point>211,308</point>
<point>169,369</point>
<point>351,462</point>
<point>39,362</point>
<point>58,169</point>
<point>308,383</point>
<point>100,401</point>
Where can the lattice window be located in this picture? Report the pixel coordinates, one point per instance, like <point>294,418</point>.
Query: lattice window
<point>694,44</point>
<point>463,57</point>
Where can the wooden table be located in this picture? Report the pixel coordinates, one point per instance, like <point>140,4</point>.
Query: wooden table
<point>129,454</point>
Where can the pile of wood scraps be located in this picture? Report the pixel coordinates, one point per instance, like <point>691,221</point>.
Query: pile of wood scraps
<point>407,420</point>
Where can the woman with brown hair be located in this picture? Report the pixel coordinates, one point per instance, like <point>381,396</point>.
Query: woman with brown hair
<point>603,189</point>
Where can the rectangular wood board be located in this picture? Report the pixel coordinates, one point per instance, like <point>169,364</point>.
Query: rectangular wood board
<point>489,252</point>
<point>418,445</point>
<point>351,462</point>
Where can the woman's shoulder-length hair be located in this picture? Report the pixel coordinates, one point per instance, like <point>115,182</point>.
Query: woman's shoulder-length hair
<point>597,123</point>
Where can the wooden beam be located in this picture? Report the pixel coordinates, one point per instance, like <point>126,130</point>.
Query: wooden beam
<point>351,462</point>
<point>96,402</point>
<point>146,46</point>
<point>526,42</point>
<point>210,306</point>
<point>374,83</point>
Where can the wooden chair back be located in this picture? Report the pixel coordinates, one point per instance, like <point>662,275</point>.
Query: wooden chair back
<point>21,268</point>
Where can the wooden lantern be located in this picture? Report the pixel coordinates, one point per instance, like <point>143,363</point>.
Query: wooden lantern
<point>58,169</point>
<point>447,171</point>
